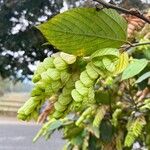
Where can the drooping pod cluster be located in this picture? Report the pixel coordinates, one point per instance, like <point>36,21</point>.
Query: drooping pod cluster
<point>84,87</point>
<point>115,116</point>
<point>93,110</point>
<point>64,99</point>
<point>42,67</point>
<point>100,113</point>
<point>134,130</point>
<point>50,76</point>
<point>85,115</point>
<point>104,63</point>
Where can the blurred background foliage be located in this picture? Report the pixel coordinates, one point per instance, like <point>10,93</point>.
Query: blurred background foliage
<point>21,45</point>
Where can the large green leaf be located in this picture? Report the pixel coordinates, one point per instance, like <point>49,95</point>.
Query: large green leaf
<point>143,77</point>
<point>134,68</point>
<point>106,131</point>
<point>82,31</point>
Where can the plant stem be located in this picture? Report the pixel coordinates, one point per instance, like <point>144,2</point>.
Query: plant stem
<point>135,45</point>
<point>133,12</point>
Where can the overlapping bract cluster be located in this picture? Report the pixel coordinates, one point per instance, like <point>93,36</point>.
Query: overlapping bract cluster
<point>84,87</point>
<point>105,62</point>
<point>64,100</point>
<point>134,130</point>
<point>74,91</point>
<point>51,75</point>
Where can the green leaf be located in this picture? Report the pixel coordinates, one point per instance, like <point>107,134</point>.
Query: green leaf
<point>134,68</point>
<point>55,125</point>
<point>106,131</point>
<point>77,140</point>
<point>74,132</point>
<point>143,77</point>
<point>102,97</point>
<point>82,31</point>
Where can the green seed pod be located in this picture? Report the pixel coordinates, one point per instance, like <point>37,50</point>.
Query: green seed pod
<point>85,79</point>
<point>40,69</point>
<point>36,78</point>
<point>64,100</point>
<point>84,115</point>
<point>115,116</point>
<point>76,96</point>
<point>91,72</point>
<point>98,63</point>
<point>65,76</point>
<point>35,115</point>
<point>54,74</point>
<point>58,114</point>
<point>54,55</point>
<point>69,59</point>
<point>91,95</point>
<point>48,91</point>
<point>108,64</point>
<point>56,85</point>
<point>36,91</point>
<point>39,98</point>
<point>99,116</point>
<point>29,106</point>
<point>88,116</point>
<point>45,77</point>
<point>80,87</point>
<point>48,63</point>
<point>59,63</point>
<point>76,106</point>
<point>69,84</point>
<point>41,85</point>
<point>66,91</point>
<point>28,118</point>
<point>59,107</point>
<point>21,116</point>
<point>88,111</point>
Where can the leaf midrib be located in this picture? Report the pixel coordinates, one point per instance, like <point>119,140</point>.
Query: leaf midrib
<point>91,35</point>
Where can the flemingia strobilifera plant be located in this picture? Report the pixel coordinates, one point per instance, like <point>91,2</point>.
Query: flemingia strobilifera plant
<point>92,83</point>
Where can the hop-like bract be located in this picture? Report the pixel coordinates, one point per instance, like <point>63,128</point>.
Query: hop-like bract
<point>51,75</point>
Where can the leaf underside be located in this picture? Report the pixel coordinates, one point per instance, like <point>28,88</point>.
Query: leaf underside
<point>134,68</point>
<point>82,31</point>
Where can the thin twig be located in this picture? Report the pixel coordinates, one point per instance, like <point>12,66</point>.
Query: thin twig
<point>133,12</point>
<point>140,44</point>
<point>135,45</point>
